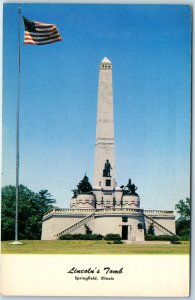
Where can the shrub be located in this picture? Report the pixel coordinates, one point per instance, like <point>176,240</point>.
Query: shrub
<point>97,236</point>
<point>112,237</point>
<point>170,238</point>
<point>79,236</point>
<point>66,237</point>
<point>151,229</point>
<point>92,237</point>
<point>87,229</point>
<point>117,242</point>
<point>184,238</point>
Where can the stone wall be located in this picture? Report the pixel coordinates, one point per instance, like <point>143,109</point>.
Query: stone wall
<point>107,221</point>
<point>167,222</point>
<point>55,224</point>
<point>113,224</point>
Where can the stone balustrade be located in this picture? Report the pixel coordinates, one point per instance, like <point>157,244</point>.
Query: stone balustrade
<point>70,211</point>
<point>158,212</point>
<point>118,211</point>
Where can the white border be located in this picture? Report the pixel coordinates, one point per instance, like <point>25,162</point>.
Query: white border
<point>192,296</point>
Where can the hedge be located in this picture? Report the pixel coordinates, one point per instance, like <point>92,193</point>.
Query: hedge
<point>66,237</point>
<point>80,236</point>
<point>170,238</point>
<point>112,237</point>
<point>184,238</point>
<point>175,242</point>
<point>117,242</point>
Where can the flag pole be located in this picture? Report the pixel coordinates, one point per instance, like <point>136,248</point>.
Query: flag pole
<point>16,242</point>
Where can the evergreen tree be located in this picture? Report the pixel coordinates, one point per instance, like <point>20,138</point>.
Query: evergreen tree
<point>151,229</point>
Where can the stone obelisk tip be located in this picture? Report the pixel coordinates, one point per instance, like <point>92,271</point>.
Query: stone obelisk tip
<point>106,61</point>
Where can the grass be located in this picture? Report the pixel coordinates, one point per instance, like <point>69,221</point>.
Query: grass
<point>90,247</point>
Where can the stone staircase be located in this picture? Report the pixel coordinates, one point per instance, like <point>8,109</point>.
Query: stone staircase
<point>158,225</point>
<point>75,225</point>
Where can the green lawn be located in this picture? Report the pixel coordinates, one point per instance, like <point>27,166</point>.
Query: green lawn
<point>90,247</point>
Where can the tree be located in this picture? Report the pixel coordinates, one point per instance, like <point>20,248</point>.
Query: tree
<point>31,208</point>
<point>151,229</point>
<point>87,229</point>
<point>183,209</point>
<point>183,222</point>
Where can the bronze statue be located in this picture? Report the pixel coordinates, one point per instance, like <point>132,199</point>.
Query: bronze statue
<point>74,193</point>
<point>107,168</point>
<point>131,188</point>
<point>129,184</point>
<point>84,186</point>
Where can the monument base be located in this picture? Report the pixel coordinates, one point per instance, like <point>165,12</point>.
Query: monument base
<point>83,201</point>
<point>131,201</point>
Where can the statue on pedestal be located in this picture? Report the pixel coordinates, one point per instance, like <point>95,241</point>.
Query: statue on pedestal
<point>107,168</point>
<point>131,188</point>
<point>84,187</point>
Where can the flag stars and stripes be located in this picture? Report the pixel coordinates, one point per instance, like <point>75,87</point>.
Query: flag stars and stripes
<point>37,33</point>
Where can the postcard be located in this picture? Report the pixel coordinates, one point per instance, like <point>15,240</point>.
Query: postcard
<point>96,150</point>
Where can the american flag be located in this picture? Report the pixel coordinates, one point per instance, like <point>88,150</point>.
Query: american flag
<point>37,33</point>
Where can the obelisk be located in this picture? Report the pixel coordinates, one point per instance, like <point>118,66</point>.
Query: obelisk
<point>104,149</point>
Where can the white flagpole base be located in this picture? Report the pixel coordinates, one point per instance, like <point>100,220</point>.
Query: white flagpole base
<point>16,243</point>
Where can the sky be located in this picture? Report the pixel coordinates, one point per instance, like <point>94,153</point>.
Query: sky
<point>149,47</point>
